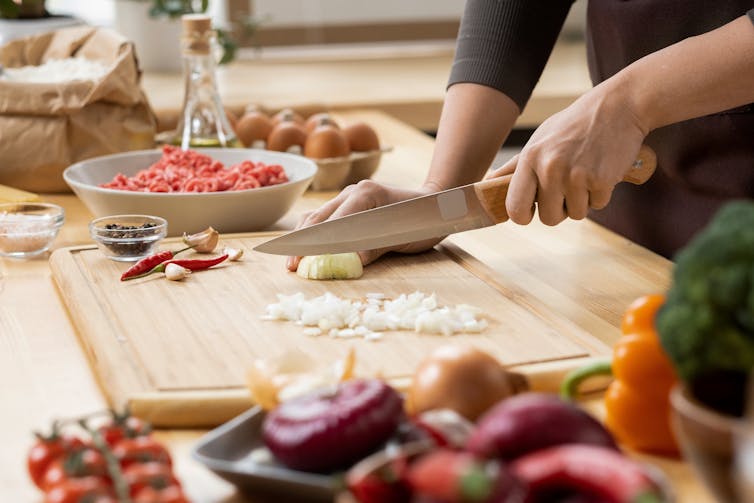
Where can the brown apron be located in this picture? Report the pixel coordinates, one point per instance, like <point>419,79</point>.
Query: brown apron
<point>701,162</point>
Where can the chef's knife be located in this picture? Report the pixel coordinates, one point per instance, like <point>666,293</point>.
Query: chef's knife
<point>435,215</point>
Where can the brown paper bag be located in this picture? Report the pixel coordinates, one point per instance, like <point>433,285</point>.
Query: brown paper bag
<point>45,127</point>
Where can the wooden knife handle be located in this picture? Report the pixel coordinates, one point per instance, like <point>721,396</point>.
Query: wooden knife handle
<point>643,167</point>
<point>492,192</point>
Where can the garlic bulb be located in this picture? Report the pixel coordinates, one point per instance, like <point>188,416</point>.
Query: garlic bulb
<point>336,266</point>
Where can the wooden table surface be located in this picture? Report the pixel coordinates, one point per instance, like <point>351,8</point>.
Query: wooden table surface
<point>45,374</point>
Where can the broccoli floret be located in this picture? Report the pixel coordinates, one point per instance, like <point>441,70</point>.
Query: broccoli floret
<point>707,323</point>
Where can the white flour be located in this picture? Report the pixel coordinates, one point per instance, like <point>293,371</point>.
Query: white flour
<point>56,70</point>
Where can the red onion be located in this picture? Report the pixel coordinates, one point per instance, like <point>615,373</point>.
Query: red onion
<point>333,427</point>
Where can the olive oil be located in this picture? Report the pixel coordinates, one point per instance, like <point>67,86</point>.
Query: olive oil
<point>203,122</point>
<point>209,143</point>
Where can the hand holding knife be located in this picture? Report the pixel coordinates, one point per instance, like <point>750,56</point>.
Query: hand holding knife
<point>468,207</point>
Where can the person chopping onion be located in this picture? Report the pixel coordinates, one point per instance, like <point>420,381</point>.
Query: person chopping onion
<point>677,75</point>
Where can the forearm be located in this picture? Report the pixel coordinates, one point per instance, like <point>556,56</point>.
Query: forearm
<point>474,123</point>
<point>698,76</point>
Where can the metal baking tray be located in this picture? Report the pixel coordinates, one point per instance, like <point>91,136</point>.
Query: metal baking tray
<point>229,451</point>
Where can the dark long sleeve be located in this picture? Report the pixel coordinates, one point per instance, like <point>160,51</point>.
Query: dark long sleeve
<point>505,44</point>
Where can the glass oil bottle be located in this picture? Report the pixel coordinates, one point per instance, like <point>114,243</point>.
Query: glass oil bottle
<point>203,122</point>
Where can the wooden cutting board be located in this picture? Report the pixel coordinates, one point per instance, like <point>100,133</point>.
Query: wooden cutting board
<point>177,352</point>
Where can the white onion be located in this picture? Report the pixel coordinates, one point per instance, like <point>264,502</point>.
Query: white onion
<point>344,318</point>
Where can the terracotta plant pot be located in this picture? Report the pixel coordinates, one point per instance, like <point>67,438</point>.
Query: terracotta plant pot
<point>707,440</point>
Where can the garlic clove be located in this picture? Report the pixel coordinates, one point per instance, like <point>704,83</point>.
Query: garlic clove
<point>234,254</point>
<point>204,241</point>
<point>175,272</point>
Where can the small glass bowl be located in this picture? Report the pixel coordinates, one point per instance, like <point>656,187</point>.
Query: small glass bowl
<point>28,229</point>
<point>128,238</point>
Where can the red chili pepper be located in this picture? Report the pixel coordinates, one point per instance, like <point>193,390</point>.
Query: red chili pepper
<point>148,263</point>
<point>197,264</point>
<point>191,264</point>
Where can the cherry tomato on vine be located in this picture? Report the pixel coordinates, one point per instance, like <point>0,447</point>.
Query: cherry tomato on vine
<point>150,474</point>
<point>169,494</point>
<point>81,490</point>
<point>45,451</point>
<point>78,463</point>
<point>120,427</point>
<point>141,450</point>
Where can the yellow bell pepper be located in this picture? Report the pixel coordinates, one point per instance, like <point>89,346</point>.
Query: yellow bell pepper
<point>637,403</point>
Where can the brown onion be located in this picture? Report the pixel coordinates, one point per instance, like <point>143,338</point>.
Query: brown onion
<point>463,379</point>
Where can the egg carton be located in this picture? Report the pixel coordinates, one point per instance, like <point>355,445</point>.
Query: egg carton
<point>335,173</point>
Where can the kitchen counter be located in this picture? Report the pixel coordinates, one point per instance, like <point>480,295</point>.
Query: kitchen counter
<point>45,374</point>
<point>407,82</point>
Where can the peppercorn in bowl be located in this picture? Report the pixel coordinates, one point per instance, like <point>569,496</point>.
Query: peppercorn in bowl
<point>127,238</point>
<point>232,190</point>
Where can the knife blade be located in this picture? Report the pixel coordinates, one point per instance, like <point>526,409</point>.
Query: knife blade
<point>468,207</point>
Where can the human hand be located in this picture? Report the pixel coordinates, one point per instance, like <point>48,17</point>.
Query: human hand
<point>363,196</point>
<point>573,161</point>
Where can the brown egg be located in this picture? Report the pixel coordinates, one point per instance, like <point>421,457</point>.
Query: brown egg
<point>285,135</point>
<point>318,120</point>
<point>287,115</point>
<point>253,126</point>
<point>326,141</point>
<point>463,379</point>
<point>232,118</point>
<point>361,137</point>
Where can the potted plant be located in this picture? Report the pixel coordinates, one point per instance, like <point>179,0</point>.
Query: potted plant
<point>154,27</point>
<point>20,18</point>
<point>707,329</point>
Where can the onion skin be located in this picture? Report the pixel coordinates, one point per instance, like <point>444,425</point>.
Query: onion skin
<point>333,427</point>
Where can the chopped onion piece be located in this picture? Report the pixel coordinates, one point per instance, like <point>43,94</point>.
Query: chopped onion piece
<point>344,318</point>
<point>335,266</point>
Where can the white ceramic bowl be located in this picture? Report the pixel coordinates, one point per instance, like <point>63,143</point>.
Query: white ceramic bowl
<point>230,211</point>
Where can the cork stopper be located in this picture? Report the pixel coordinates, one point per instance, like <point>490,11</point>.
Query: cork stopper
<point>197,33</point>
